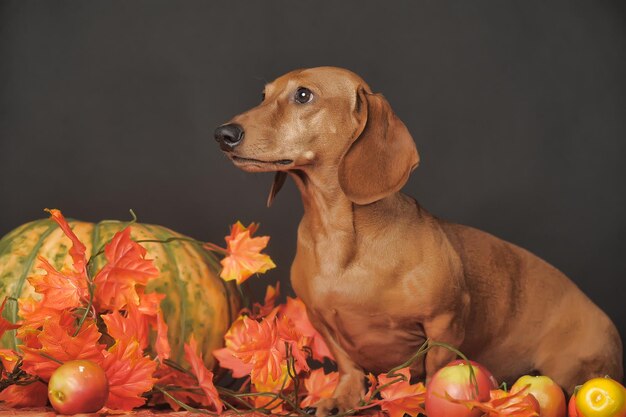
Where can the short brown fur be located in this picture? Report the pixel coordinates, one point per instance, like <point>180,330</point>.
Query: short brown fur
<point>379,274</point>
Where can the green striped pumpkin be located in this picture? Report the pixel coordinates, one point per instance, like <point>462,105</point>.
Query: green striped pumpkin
<point>197,300</point>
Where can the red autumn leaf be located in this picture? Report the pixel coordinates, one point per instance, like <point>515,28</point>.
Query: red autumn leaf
<point>234,338</point>
<point>297,342</point>
<point>131,326</point>
<point>150,304</point>
<point>150,307</point>
<point>162,344</point>
<point>34,315</point>
<point>401,397</point>
<point>127,267</point>
<point>28,337</point>
<point>130,374</point>
<point>319,386</point>
<point>204,376</point>
<point>58,341</point>
<point>77,252</point>
<point>137,321</point>
<point>9,359</point>
<point>244,256</point>
<point>268,309</point>
<point>296,311</point>
<point>4,323</point>
<point>60,291</point>
<point>504,404</point>
<point>169,376</point>
<point>34,394</point>
<point>270,385</point>
<point>513,404</point>
<point>261,348</point>
<point>373,383</point>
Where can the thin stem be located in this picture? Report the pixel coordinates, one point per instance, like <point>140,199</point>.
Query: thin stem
<point>177,367</point>
<point>183,405</point>
<point>214,248</point>
<point>451,348</point>
<point>91,289</point>
<point>134,217</point>
<point>45,355</point>
<point>171,239</point>
<point>421,351</point>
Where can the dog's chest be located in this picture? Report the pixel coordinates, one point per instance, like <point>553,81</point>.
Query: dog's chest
<point>375,336</point>
<point>357,291</point>
<point>377,329</point>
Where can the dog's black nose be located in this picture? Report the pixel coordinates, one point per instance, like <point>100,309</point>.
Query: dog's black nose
<point>229,135</point>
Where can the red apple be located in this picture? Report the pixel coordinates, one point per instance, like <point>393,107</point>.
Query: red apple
<point>78,386</point>
<point>547,392</point>
<point>454,379</point>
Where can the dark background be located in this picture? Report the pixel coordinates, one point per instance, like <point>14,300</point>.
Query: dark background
<point>518,110</point>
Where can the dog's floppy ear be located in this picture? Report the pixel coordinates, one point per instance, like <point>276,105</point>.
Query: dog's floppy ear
<point>382,156</point>
<point>279,180</point>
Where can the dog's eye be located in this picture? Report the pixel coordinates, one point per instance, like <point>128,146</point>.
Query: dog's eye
<point>303,95</point>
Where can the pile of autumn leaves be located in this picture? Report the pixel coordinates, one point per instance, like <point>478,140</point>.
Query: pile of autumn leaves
<point>108,318</point>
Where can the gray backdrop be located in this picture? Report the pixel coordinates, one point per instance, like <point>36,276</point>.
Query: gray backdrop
<point>518,110</point>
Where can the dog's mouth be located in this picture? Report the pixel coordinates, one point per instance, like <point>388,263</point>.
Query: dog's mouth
<point>253,164</point>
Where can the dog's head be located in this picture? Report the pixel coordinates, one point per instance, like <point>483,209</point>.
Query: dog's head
<point>323,118</point>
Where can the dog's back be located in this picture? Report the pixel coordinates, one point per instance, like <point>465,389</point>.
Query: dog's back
<point>565,335</point>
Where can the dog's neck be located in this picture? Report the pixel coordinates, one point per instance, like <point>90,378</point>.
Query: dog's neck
<point>326,207</point>
<point>333,222</point>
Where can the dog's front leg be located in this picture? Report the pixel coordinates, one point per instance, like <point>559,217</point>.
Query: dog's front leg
<point>350,389</point>
<point>445,328</point>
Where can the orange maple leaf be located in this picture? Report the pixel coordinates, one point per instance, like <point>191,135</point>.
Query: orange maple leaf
<point>270,385</point>
<point>504,404</point>
<point>162,343</point>
<point>60,291</point>
<point>34,314</point>
<point>58,342</point>
<point>513,404</point>
<point>244,256</point>
<point>261,348</point>
<point>268,308</point>
<point>130,374</point>
<point>296,311</point>
<point>297,342</point>
<point>136,323</point>
<point>77,251</point>
<point>204,376</point>
<point>127,267</point>
<point>131,326</point>
<point>4,323</point>
<point>9,359</point>
<point>169,376</point>
<point>150,303</point>
<point>234,338</point>
<point>150,307</point>
<point>401,397</point>
<point>319,386</point>
<point>373,383</point>
<point>34,394</point>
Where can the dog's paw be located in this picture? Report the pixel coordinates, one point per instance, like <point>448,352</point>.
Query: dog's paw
<point>346,397</point>
<point>326,407</point>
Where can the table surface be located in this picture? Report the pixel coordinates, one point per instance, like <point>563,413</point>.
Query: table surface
<point>49,412</point>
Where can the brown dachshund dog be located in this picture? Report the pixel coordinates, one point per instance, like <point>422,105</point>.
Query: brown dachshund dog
<point>379,274</point>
